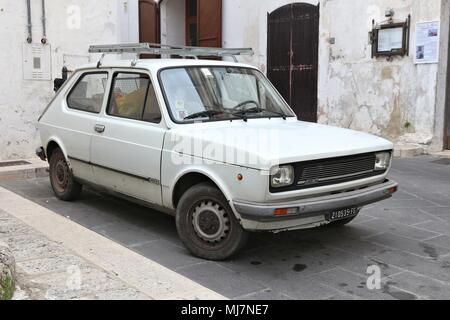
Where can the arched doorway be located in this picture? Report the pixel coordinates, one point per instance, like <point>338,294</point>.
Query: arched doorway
<point>293,56</point>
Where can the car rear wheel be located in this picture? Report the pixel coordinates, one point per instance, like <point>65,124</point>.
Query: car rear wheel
<point>61,178</point>
<point>207,225</point>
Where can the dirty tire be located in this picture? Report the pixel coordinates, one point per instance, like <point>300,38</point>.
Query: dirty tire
<point>206,224</point>
<point>61,178</point>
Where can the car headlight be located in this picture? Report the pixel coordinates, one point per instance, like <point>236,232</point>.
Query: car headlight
<point>382,161</point>
<point>282,176</point>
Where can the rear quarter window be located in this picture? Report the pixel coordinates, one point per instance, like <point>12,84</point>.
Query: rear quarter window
<point>88,93</point>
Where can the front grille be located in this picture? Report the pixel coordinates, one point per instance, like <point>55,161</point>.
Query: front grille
<point>325,172</point>
<point>331,170</point>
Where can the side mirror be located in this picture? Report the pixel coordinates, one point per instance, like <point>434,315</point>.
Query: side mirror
<point>59,82</point>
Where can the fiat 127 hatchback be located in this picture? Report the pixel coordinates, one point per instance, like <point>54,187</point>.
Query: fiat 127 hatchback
<point>212,143</point>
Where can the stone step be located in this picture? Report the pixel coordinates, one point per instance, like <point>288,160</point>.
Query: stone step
<point>408,150</point>
<point>23,169</point>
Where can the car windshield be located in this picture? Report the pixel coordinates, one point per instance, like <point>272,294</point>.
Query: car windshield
<point>220,93</point>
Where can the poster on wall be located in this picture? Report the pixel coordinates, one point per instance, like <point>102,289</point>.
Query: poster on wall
<point>427,42</point>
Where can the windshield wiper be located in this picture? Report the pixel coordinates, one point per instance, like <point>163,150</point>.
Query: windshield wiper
<point>243,114</point>
<point>282,115</point>
<point>203,114</point>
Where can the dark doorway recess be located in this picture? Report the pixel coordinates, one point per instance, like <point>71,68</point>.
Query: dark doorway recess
<point>293,56</point>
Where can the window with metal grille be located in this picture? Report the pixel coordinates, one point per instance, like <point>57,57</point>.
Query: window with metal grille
<point>133,97</point>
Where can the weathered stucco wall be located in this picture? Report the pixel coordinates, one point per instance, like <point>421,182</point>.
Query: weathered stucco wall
<point>392,99</point>
<point>71,27</point>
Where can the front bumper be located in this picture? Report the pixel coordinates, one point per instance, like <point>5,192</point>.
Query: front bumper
<point>263,214</point>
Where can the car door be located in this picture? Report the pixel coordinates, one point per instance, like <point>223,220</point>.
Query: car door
<point>126,149</point>
<point>81,111</point>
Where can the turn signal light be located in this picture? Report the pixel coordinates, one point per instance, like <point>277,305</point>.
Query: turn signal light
<point>284,211</point>
<point>393,190</point>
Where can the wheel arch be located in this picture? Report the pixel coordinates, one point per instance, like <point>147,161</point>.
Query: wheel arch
<point>52,144</point>
<point>187,180</point>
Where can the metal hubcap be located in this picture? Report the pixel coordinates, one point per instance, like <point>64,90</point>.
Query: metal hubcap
<point>61,174</point>
<point>211,222</point>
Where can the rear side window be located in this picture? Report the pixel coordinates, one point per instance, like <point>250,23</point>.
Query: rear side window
<point>133,97</point>
<point>89,93</point>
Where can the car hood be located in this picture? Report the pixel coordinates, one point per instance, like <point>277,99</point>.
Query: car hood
<point>263,143</point>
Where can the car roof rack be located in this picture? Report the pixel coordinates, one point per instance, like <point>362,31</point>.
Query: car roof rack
<point>161,49</point>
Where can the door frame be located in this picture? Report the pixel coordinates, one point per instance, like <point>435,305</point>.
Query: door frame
<point>269,49</point>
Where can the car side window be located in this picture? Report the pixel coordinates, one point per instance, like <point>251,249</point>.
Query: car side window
<point>128,95</point>
<point>89,93</point>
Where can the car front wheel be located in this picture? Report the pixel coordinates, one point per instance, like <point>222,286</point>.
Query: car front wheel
<point>61,178</point>
<point>206,224</point>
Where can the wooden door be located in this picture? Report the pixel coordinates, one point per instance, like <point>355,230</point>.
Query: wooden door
<point>149,30</point>
<point>293,56</point>
<point>210,23</point>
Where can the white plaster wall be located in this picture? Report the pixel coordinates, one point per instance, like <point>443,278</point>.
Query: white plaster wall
<point>128,12</point>
<point>377,96</point>
<point>173,22</point>
<point>355,91</point>
<point>21,102</point>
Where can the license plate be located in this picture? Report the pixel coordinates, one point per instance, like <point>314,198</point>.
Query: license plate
<point>343,214</point>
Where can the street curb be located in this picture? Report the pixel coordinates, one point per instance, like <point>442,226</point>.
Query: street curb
<point>35,168</point>
<point>24,174</point>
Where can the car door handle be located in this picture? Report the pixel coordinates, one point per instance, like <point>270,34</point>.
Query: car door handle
<point>99,128</point>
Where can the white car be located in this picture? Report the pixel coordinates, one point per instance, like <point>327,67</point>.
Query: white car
<point>212,143</point>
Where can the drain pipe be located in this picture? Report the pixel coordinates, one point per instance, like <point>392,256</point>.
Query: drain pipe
<point>44,26</point>
<point>30,29</point>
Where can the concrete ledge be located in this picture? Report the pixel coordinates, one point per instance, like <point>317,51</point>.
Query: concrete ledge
<point>445,154</point>
<point>7,273</point>
<point>408,150</point>
<point>35,169</point>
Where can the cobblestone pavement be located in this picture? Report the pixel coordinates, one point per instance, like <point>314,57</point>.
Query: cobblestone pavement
<point>407,238</point>
<point>48,271</point>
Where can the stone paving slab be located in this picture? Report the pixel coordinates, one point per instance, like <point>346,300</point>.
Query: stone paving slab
<point>429,288</point>
<point>407,237</point>
<point>440,227</point>
<point>44,267</point>
<point>421,249</point>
